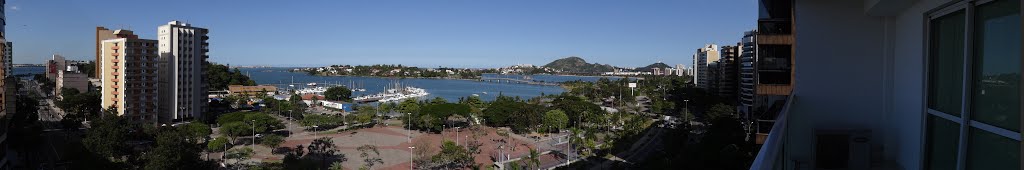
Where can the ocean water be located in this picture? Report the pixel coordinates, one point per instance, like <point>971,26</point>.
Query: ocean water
<point>451,90</point>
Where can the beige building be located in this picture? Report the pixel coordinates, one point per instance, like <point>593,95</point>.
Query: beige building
<point>184,49</point>
<point>130,76</point>
<point>71,78</point>
<point>103,33</point>
<point>704,56</point>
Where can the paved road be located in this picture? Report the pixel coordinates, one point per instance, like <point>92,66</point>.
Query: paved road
<point>640,150</point>
<point>49,114</point>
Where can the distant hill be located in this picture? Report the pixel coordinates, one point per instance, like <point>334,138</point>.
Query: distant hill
<point>651,67</point>
<point>578,65</point>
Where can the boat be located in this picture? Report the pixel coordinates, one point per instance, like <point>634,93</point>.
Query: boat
<point>311,90</point>
<point>476,95</point>
<point>393,95</point>
<point>311,84</point>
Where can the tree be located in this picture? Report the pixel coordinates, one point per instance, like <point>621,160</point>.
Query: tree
<point>272,141</point>
<point>239,154</point>
<point>325,149</point>
<point>368,159</point>
<point>235,129</point>
<point>409,106</point>
<point>534,159</point>
<point>106,137</point>
<point>452,156</point>
<point>197,131</point>
<point>217,145</point>
<point>555,120</point>
<point>438,100</point>
<point>719,111</point>
<point>337,166</point>
<point>338,93</point>
<point>172,151</point>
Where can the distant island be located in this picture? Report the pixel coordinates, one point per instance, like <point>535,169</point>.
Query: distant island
<point>381,70</point>
<point>565,66</point>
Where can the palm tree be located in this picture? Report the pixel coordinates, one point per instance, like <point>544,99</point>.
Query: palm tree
<point>336,166</point>
<point>534,158</point>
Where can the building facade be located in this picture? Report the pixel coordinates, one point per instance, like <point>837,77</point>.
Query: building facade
<point>748,78</point>
<point>54,65</point>
<point>184,49</point>
<point>131,78</point>
<point>728,73</point>
<point>103,33</point>
<point>71,78</point>
<point>701,59</point>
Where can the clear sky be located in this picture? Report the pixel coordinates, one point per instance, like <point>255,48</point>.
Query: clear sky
<point>427,33</point>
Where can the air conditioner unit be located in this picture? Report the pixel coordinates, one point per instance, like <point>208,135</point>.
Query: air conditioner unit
<point>842,149</point>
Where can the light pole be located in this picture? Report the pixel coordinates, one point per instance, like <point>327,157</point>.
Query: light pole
<point>686,109</point>
<point>253,132</point>
<point>408,117</point>
<point>410,157</point>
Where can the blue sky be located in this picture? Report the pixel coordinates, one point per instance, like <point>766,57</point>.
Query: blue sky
<point>428,33</point>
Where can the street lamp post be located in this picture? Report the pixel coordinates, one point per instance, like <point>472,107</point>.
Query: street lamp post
<point>686,108</point>
<point>253,133</point>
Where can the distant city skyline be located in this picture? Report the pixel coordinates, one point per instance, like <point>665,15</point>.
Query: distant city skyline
<point>474,34</point>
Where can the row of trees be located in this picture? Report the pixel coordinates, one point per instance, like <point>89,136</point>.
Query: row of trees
<point>220,76</point>
<point>114,142</point>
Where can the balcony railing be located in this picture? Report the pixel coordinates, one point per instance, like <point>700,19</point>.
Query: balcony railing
<point>772,153</point>
<point>776,26</point>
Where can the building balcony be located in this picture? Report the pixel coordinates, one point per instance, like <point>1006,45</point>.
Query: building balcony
<point>115,48</point>
<point>772,153</point>
<point>115,54</point>
<point>774,26</point>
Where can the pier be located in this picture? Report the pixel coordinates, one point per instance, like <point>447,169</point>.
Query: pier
<point>523,80</point>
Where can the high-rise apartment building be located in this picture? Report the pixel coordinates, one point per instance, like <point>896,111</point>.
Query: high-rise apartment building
<point>680,69</point>
<point>103,33</point>
<point>747,76</point>
<point>55,64</point>
<point>8,59</point>
<point>184,49</point>
<point>728,72</point>
<point>5,86</point>
<point>701,59</point>
<point>131,77</point>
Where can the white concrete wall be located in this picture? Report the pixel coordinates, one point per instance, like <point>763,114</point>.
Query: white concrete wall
<point>860,70</point>
<point>839,73</point>
<point>906,118</point>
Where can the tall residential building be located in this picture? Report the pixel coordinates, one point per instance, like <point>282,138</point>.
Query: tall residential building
<point>184,47</point>
<point>8,59</point>
<point>55,64</point>
<point>748,54</point>
<point>680,69</point>
<point>5,86</point>
<point>103,33</point>
<point>131,77</point>
<point>899,84</point>
<point>728,72</point>
<point>701,59</point>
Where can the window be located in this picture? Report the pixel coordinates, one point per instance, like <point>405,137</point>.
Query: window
<point>973,120</point>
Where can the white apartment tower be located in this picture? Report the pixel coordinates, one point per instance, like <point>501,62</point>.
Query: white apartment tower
<point>701,59</point>
<point>184,49</point>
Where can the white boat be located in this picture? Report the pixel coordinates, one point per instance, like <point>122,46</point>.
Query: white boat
<point>393,95</point>
<point>311,84</point>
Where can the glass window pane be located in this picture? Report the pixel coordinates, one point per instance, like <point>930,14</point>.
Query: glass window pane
<point>988,150</point>
<point>945,73</point>
<point>997,65</point>
<point>941,143</point>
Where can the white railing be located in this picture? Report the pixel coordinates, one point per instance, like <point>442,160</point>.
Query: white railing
<point>771,156</point>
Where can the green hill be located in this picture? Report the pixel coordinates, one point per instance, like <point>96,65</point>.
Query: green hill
<point>578,65</point>
<point>652,66</point>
